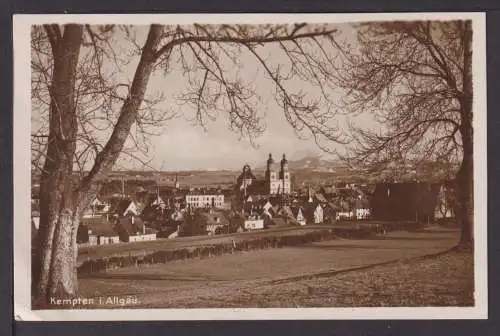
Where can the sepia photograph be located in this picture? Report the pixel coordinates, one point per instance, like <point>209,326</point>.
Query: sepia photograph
<point>230,166</point>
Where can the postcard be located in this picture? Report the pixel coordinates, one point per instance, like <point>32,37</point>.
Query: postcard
<point>250,166</point>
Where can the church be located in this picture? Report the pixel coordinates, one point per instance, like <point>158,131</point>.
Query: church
<point>276,182</point>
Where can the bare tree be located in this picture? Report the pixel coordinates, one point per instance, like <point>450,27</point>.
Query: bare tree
<point>89,114</point>
<point>415,78</point>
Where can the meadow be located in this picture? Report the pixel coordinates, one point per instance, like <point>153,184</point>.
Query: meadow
<point>401,268</point>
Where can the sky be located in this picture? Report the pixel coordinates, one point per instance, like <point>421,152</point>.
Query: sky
<point>182,146</point>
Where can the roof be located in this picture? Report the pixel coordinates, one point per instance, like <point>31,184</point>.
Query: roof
<point>347,192</point>
<point>99,226</point>
<point>362,203</point>
<point>150,230</point>
<point>125,225</point>
<point>205,191</point>
<point>258,187</point>
<point>333,207</point>
<point>296,210</point>
<point>320,197</point>
<point>212,218</point>
<point>286,211</point>
<point>176,216</point>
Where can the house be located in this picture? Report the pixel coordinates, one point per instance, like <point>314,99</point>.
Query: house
<point>125,207</point>
<point>321,198</point>
<point>298,215</point>
<point>131,229</point>
<point>158,202</point>
<point>349,214</point>
<point>205,198</point>
<point>253,222</point>
<point>208,221</point>
<point>313,213</point>
<point>285,212</point>
<point>345,209</point>
<point>267,206</point>
<point>104,240</point>
<point>148,235</point>
<point>362,213</point>
<point>318,216</point>
<point>330,212</point>
<point>99,206</point>
<point>96,231</point>
<point>362,209</point>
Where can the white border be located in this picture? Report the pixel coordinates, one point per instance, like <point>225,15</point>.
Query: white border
<point>22,176</point>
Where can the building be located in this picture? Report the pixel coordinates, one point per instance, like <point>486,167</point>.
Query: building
<point>363,213</point>
<point>158,202</point>
<point>206,221</point>
<point>318,214</point>
<point>278,183</point>
<point>362,208</point>
<point>132,229</point>
<point>275,183</point>
<point>349,214</point>
<point>96,231</point>
<point>205,198</point>
<point>125,207</point>
<point>298,215</point>
<point>253,222</point>
<point>96,208</point>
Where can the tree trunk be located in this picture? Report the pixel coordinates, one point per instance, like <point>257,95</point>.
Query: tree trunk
<point>53,263</point>
<point>61,201</point>
<point>465,177</point>
<point>465,180</point>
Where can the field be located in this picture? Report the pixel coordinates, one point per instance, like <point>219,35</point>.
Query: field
<point>125,249</point>
<point>384,270</point>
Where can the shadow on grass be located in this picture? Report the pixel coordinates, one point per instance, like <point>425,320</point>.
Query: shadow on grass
<point>438,231</point>
<point>146,277</point>
<point>395,238</point>
<point>347,248</point>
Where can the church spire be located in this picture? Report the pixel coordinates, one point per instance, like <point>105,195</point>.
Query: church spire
<point>284,163</point>
<point>270,160</point>
<point>176,181</point>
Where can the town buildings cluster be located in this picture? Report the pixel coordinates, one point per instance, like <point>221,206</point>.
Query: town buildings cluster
<point>253,203</point>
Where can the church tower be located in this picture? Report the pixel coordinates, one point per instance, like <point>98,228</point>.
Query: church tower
<point>285,176</point>
<point>272,182</point>
<point>176,186</point>
<point>270,171</point>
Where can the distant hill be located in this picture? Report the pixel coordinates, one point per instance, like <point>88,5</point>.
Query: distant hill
<point>309,170</point>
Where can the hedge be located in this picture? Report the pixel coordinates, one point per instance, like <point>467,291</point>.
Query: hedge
<point>164,256</point>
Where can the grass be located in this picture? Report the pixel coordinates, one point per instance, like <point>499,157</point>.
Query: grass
<point>140,248</point>
<point>445,280</point>
<point>86,253</point>
<point>313,275</point>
